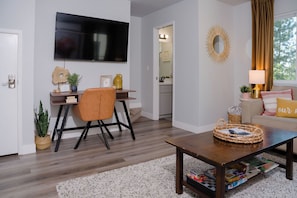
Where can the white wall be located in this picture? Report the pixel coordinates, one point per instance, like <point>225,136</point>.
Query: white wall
<point>135,60</point>
<point>203,89</point>
<point>44,62</point>
<point>20,15</point>
<point>36,20</point>
<point>184,16</point>
<point>284,6</point>
<point>215,78</point>
<point>242,20</point>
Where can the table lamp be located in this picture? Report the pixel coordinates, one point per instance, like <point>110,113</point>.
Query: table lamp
<point>256,77</point>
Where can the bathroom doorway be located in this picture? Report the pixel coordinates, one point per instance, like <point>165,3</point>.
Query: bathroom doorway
<point>164,71</point>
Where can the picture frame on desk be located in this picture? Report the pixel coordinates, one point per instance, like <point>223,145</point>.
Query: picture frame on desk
<point>106,81</point>
<point>64,87</point>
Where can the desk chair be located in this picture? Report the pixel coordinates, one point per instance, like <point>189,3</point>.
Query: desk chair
<point>95,104</point>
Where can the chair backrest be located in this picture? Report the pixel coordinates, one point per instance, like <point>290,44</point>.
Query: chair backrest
<point>96,104</point>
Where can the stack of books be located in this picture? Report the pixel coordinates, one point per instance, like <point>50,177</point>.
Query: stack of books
<point>235,174</point>
<point>262,164</point>
<point>71,99</point>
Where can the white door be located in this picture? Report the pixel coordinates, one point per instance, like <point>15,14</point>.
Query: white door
<point>8,93</point>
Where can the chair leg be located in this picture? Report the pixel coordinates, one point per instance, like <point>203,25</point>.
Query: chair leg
<point>110,135</point>
<point>85,131</point>
<point>103,135</point>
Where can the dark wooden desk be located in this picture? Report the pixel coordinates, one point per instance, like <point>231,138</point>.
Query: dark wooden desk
<point>59,99</point>
<point>222,154</point>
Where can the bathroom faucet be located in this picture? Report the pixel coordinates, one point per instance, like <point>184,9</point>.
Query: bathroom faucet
<point>162,79</point>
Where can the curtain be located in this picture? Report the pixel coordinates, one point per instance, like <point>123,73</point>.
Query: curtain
<point>262,39</point>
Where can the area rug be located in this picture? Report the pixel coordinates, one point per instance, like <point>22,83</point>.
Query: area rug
<point>156,179</point>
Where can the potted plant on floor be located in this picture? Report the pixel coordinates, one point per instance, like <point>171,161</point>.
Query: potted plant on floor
<point>246,92</point>
<point>42,120</point>
<point>73,80</point>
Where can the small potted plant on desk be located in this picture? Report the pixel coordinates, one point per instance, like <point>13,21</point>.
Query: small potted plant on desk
<point>246,92</point>
<point>73,80</point>
<point>42,120</point>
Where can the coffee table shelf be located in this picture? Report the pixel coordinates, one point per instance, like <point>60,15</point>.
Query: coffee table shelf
<point>206,148</point>
<point>198,188</point>
<point>236,175</point>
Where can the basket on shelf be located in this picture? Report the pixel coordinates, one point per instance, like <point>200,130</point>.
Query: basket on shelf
<point>234,118</point>
<point>234,115</point>
<point>224,131</point>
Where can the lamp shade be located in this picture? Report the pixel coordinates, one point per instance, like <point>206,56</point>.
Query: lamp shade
<point>257,76</point>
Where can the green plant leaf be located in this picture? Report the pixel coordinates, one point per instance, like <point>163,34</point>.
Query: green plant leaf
<point>41,120</point>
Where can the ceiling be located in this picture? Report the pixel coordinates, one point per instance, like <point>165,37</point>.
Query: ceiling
<point>141,8</point>
<point>234,2</point>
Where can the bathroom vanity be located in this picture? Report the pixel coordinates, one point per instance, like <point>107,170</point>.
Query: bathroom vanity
<point>165,99</point>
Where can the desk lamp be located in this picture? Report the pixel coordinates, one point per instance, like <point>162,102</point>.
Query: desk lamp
<point>256,77</point>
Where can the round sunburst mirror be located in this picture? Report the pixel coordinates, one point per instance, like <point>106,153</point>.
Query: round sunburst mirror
<point>218,45</point>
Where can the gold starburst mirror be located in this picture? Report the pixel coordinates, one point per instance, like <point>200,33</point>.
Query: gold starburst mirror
<point>218,45</point>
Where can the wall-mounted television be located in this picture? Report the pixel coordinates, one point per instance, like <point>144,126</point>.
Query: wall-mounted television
<point>90,39</point>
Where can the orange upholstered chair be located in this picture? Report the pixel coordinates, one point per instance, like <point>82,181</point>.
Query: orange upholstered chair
<point>95,104</point>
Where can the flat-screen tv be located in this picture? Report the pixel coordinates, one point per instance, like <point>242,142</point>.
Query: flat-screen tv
<point>90,39</point>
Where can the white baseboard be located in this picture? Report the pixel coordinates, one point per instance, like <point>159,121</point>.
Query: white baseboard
<point>77,133</point>
<point>134,105</point>
<point>192,128</point>
<point>27,149</point>
<point>147,115</point>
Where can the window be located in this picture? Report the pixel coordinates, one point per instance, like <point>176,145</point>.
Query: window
<point>284,52</point>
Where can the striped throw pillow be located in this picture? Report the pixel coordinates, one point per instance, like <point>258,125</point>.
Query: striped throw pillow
<point>269,100</point>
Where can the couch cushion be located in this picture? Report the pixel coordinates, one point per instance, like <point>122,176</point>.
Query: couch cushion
<point>279,88</point>
<point>276,122</point>
<point>269,100</point>
<point>289,124</point>
<point>286,108</point>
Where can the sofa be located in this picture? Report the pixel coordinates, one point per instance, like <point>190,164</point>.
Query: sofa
<point>253,111</point>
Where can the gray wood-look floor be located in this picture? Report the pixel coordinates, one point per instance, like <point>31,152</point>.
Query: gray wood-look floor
<point>36,175</point>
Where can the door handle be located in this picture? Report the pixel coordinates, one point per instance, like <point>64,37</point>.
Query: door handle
<point>11,82</point>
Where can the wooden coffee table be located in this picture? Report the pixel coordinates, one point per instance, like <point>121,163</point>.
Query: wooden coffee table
<point>220,154</point>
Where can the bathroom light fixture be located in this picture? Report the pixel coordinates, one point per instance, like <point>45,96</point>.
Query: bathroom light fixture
<point>163,36</point>
<point>256,77</point>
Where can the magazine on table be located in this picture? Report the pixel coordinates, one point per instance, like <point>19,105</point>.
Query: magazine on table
<point>262,164</point>
<point>235,174</point>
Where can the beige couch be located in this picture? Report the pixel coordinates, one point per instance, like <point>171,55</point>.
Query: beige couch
<point>252,110</point>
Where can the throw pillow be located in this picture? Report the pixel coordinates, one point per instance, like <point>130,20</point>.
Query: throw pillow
<point>269,100</point>
<point>286,108</point>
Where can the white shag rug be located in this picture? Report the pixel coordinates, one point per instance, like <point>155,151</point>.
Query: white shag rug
<point>156,178</point>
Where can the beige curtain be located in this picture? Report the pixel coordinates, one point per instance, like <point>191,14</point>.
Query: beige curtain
<point>262,39</point>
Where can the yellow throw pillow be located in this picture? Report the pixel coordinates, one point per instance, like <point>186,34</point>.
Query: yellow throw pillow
<point>286,108</point>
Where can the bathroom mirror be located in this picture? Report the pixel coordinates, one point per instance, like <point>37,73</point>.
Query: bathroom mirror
<point>218,44</point>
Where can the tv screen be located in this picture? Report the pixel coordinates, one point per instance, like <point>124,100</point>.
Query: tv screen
<point>92,39</point>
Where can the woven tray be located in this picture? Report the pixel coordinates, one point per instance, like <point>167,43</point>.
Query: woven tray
<point>224,131</point>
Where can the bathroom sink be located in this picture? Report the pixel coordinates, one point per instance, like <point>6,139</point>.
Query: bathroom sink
<point>166,81</point>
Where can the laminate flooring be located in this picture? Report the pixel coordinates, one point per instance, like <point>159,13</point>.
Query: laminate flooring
<point>36,175</point>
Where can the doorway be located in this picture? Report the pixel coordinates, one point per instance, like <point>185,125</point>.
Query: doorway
<point>164,72</point>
